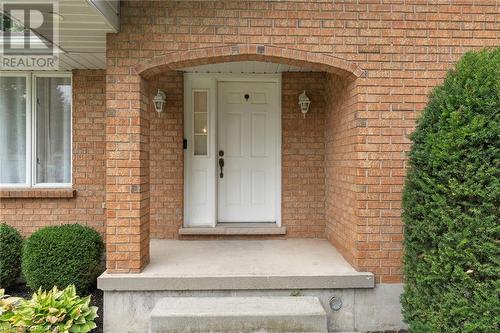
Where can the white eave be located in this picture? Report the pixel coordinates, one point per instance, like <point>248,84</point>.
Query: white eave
<point>83,25</point>
<point>82,32</point>
<point>110,11</point>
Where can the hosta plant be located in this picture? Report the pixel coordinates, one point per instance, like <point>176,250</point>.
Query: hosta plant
<point>57,311</point>
<point>8,305</point>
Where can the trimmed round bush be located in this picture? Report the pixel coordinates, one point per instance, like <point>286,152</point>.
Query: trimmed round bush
<point>451,204</point>
<point>11,244</point>
<point>61,256</point>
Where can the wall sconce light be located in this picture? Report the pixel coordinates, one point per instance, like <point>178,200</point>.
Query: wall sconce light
<point>304,103</point>
<point>159,101</point>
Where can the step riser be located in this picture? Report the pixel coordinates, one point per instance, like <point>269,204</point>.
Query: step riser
<point>277,314</point>
<point>315,324</point>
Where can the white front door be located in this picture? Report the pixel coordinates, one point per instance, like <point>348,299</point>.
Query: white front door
<point>248,133</point>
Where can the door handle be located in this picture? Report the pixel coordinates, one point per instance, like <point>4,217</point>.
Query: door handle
<point>221,165</point>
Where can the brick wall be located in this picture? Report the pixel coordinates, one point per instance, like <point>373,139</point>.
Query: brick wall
<point>167,156</point>
<point>303,155</point>
<point>57,207</point>
<point>342,166</point>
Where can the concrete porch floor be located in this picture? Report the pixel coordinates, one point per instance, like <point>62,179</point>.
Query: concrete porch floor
<point>241,264</point>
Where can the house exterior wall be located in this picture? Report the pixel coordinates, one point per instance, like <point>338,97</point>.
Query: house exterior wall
<point>402,50</point>
<point>31,210</point>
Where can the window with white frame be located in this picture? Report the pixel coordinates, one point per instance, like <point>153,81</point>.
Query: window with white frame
<point>35,130</point>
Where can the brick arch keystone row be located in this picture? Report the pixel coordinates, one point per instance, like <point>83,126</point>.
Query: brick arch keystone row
<point>242,52</point>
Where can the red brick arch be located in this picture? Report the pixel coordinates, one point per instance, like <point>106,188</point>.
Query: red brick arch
<point>315,61</point>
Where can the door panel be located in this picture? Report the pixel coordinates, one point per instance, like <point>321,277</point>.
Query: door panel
<point>258,134</point>
<point>248,135</point>
<point>233,135</point>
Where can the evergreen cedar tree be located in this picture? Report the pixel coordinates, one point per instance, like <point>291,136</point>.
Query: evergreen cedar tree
<point>451,204</point>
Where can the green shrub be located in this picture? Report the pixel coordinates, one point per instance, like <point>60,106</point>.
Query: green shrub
<point>59,311</point>
<point>11,244</point>
<point>61,256</point>
<point>451,204</point>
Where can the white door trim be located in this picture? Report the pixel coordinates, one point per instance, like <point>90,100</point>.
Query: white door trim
<point>209,82</point>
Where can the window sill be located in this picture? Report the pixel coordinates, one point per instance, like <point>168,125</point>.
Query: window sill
<point>41,193</point>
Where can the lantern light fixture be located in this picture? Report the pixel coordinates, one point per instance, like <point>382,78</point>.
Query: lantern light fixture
<point>159,101</point>
<point>304,103</point>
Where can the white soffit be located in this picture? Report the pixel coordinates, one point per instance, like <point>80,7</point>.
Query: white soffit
<point>257,67</point>
<point>82,32</point>
<point>83,25</point>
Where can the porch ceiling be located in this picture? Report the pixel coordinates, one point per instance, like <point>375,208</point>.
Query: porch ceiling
<point>241,264</point>
<point>257,67</point>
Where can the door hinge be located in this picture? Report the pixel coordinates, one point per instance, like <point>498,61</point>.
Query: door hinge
<point>185,144</point>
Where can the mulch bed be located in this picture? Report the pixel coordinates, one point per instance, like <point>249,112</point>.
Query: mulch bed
<point>20,290</point>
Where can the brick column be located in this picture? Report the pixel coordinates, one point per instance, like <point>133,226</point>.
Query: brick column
<point>127,172</point>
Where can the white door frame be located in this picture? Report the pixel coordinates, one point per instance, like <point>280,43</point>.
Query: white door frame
<point>209,82</point>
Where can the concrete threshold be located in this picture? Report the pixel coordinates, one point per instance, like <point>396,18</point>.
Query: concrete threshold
<point>236,229</point>
<point>241,265</point>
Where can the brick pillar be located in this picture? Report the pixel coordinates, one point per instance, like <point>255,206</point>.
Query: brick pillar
<point>127,173</point>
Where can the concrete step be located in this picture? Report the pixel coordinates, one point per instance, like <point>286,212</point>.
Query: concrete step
<point>238,314</point>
